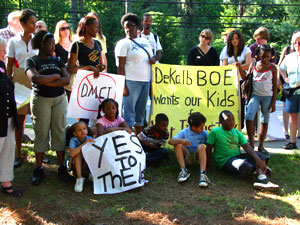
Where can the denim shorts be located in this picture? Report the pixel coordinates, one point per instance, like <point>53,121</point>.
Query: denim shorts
<point>292,104</point>
<point>264,103</point>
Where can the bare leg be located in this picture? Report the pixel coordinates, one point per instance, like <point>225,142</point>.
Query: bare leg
<point>60,157</point>
<point>285,117</point>
<point>19,134</point>
<point>78,164</point>
<point>250,131</point>
<point>39,158</point>
<point>262,135</point>
<point>293,126</point>
<point>201,156</point>
<point>180,152</point>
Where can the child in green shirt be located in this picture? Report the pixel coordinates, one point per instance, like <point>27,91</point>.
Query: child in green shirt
<point>226,142</point>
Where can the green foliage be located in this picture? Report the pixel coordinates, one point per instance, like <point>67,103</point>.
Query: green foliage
<point>177,33</point>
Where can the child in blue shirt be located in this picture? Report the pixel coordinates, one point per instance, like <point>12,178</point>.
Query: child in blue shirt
<point>80,132</point>
<point>189,144</point>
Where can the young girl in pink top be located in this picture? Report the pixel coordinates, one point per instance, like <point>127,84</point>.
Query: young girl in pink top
<point>111,121</point>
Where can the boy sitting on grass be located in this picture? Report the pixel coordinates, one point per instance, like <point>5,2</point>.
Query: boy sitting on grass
<point>226,142</point>
<point>153,137</point>
<point>189,146</point>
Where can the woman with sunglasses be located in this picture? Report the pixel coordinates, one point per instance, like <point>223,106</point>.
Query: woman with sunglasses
<point>203,54</point>
<point>48,103</point>
<point>63,40</point>
<point>18,49</point>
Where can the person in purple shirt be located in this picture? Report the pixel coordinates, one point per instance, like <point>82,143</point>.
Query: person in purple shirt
<point>261,36</point>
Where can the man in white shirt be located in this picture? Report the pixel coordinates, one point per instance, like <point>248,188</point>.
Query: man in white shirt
<point>152,38</point>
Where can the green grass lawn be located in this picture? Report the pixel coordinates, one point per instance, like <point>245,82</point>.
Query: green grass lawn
<point>228,200</point>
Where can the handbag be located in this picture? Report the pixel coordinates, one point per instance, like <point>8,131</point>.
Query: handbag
<point>73,75</point>
<point>247,85</point>
<point>288,91</point>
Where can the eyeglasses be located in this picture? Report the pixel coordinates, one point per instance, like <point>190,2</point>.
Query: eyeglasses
<point>206,38</point>
<point>39,26</point>
<point>64,28</point>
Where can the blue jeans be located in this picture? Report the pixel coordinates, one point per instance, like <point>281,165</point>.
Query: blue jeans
<point>255,101</point>
<point>156,155</point>
<point>135,103</point>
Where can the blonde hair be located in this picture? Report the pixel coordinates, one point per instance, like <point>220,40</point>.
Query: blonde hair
<point>294,38</point>
<point>57,36</point>
<point>262,32</point>
<point>207,33</point>
<point>2,43</point>
<point>13,15</point>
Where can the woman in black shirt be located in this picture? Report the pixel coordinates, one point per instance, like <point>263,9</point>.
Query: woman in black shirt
<point>203,54</point>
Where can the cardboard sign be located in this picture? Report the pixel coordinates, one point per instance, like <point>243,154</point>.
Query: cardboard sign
<point>180,90</point>
<point>88,93</point>
<point>117,162</point>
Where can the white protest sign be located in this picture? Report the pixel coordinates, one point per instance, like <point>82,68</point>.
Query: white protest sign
<point>117,162</point>
<point>22,95</point>
<point>88,93</point>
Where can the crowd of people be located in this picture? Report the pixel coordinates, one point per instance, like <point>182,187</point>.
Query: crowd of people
<point>47,63</point>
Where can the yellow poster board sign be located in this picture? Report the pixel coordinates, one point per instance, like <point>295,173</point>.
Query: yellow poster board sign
<point>179,91</point>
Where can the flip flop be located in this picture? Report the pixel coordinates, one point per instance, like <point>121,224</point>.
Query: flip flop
<point>14,192</point>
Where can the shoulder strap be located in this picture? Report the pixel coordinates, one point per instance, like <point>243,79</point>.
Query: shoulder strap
<point>288,50</point>
<point>200,51</point>
<point>155,38</point>
<point>140,47</point>
<point>77,50</point>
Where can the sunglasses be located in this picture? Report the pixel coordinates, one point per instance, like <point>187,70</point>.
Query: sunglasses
<point>206,38</point>
<point>64,28</point>
<point>39,26</point>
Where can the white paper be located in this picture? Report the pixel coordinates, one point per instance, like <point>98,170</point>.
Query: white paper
<point>117,162</point>
<point>88,93</point>
<point>22,94</point>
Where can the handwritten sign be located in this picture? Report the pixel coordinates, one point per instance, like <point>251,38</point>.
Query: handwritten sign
<point>117,162</point>
<point>181,90</point>
<point>88,93</point>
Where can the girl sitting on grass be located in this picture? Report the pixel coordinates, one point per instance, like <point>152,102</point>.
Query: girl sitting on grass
<point>111,121</point>
<point>80,137</point>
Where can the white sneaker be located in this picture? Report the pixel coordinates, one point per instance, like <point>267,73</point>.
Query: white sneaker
<point>79,184</point>
<point>267,186</point>
<point>183,175</point>
<point>204,181</point>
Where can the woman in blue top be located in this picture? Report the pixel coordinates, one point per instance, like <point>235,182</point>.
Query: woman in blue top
<point>290,70</point>
<point>48,102</point>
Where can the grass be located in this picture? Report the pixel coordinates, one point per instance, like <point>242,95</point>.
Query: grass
<point>228,200</point>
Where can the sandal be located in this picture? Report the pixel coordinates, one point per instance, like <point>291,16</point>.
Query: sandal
<point>263,151</point>
<point>290,146</point>
<point>14,192</point>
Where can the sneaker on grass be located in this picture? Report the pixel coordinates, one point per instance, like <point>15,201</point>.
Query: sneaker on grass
<point>183,175</point>
<point>204,181</point>
<point>266,185</point>
<point>79,184</point>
